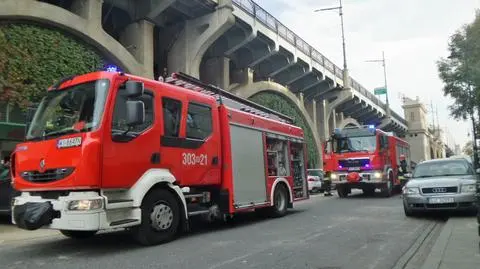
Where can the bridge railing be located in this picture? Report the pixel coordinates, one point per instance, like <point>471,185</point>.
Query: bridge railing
<point>276,26</point>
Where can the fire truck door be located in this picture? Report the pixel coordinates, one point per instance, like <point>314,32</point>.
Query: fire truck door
<point>191,141</point>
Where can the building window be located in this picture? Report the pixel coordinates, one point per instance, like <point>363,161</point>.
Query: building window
<point>199,121</point>
<point>172,111</point>
<point>412,116</point>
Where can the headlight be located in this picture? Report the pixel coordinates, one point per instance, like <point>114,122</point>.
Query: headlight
<point>407,190</point>
<point>472,188</point>
<point>83,205</point>
<point>333,176</point>
<point>377,175</point>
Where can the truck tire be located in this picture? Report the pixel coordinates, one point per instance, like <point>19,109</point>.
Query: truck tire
<point>387,189</point>
<point>78,234</point>
<point>280,202</point>
<point>369,191</point>
<point>160,218</point>
<point>342,191</point>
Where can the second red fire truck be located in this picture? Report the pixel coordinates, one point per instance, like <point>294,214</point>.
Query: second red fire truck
<point>108,150</point>
<point>364,158</point>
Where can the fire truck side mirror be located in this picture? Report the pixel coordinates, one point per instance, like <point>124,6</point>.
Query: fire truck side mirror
<point>134,89</point>
<point>135,113</point>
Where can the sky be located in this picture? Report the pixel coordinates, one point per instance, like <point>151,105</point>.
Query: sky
<point>413,34</point>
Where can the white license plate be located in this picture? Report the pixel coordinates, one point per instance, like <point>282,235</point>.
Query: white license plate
<point>354,169</point>
<point>441,200</point>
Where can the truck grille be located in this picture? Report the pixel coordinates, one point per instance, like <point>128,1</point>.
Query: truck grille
<point>440,190</point>
<point>48,176</point>
<point>354,162</point>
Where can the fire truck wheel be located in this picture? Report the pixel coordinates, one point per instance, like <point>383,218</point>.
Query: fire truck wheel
<point>78,234</point>
<point>342,191</point>
<point>280,202</point>
<point>160,218</point>
<point>387,189</point>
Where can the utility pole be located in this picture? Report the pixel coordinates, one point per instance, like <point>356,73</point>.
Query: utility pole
<point>384,78</point>
<point>345,75</point>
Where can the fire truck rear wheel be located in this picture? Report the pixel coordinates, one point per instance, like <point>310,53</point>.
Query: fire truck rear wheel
<point>78,234</point>
<point>280,201</point>
<point>160,218</point>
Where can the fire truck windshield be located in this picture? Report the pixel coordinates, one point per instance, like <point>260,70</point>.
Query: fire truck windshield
<point>355,144</point>
<point>74,109</point>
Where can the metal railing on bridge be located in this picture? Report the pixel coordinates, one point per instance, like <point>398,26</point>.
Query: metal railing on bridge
<point>273,24</point>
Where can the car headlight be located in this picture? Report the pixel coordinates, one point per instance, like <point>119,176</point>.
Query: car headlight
<point>83,205</point>
<point>472,188</point>
<point>333,176</point>
<point>377,175</point>
<point>410,190</point>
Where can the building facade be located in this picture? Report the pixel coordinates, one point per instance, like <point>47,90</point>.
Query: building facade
<point>426,141</point>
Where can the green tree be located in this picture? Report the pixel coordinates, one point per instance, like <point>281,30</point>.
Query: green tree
<point>460,71</point>
<point>33,57</point>
<point>468,149</point>
<point>278,103</point>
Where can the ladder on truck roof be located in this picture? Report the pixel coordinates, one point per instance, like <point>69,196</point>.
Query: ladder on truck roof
<point>225,97</point>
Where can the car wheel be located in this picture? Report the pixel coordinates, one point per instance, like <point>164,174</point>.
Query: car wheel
<point>408,211</point>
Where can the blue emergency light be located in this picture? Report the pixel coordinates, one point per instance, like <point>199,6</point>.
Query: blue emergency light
<point>112,68</point>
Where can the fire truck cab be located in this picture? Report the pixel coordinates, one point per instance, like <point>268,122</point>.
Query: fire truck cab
<point>109,150</point>
<point>364,158</point>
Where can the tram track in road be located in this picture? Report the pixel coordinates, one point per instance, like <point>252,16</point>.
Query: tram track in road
<point>415,256</point>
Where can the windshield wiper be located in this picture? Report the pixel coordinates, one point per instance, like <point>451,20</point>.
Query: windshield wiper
<point>60,132</point>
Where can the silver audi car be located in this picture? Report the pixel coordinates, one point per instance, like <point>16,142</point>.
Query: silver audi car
<point>441,184</point>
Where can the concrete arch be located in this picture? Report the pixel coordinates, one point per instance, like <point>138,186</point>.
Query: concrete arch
<point>248,90</point>
<point>88,29</point>
<point>348,122</point>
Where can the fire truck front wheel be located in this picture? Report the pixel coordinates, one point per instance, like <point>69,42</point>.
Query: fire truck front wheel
<point>160,218</point>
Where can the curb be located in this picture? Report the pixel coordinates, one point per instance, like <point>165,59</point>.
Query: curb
<point>434,259</point>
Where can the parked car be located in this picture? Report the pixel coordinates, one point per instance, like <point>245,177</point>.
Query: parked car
<point>6,192</point>
<point>441,184</point>
<point>315,180</point>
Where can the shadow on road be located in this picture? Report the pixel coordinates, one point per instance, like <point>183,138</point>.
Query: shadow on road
<point>119,241</point>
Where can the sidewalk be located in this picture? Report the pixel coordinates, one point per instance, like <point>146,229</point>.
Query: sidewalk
<point>458,246</point>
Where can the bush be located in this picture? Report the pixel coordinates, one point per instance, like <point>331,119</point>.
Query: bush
<point>33,57</point>
<point>278,103</point>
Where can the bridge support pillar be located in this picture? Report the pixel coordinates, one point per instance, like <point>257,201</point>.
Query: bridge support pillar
<point>216,71</point>
<point>138,39</point>
<point>197,36</point>
<point>91,10</point>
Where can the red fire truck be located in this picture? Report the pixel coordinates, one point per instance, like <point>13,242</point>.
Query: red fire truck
<point>108,150</point>
<point>365,158</point>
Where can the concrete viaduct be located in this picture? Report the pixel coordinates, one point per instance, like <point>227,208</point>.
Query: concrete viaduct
<point>234,44</point>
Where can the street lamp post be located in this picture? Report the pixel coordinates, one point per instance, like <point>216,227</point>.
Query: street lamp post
<point>346,77</point>
<point>385,79</point>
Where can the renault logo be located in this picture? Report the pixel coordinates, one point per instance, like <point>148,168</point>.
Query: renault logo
<point>42,165</point>
<point>437,190</point>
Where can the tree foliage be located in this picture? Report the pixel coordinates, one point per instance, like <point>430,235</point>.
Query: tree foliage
<point>278,103</point>
<point>32,58</point>
<point>468,148</point>
<point>460,71</point>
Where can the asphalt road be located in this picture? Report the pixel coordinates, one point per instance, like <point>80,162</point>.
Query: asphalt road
<point>323,232</point>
